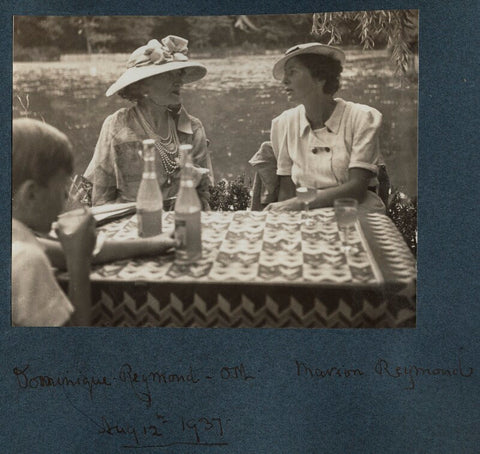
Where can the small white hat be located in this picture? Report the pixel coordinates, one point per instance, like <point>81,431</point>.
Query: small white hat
<point>157,58</point>
<point>308,48</point>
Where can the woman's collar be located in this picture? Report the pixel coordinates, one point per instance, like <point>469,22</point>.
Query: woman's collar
<point>183,121</point>
<point>333,122</point>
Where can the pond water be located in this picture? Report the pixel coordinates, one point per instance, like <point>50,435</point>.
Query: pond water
<point>235,102</point>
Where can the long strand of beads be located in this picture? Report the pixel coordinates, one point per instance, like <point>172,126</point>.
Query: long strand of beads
<point>167,147</point>
<point>169,152</point>
<point>169,164</point>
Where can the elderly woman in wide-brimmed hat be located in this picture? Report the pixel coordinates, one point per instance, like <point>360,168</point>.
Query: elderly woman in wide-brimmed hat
<point>153,81</point>
<point>324,142</point>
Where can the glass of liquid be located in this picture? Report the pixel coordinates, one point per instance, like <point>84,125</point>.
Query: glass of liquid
<point>306,196</point>
<point>346,213</point>
<point>70,221</point>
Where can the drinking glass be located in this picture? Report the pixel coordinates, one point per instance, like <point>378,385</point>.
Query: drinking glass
<point>78,195</point>
<point>306,195</point>
<point>69,222</point>
<point>346,213</point>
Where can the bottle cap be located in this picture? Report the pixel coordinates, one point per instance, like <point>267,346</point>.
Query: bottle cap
<point>185,147</point>
<point>148,151</point>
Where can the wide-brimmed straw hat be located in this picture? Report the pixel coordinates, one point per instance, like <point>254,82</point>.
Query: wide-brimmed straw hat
<point>157,58</point>
<point>308,48</point>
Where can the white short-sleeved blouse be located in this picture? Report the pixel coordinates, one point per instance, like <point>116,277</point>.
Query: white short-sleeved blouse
<point>321,158</point>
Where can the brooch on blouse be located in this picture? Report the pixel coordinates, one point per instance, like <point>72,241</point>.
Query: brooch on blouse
<point>316,150</point>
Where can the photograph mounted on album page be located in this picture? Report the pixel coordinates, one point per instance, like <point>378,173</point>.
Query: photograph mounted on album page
<point>214,240</point>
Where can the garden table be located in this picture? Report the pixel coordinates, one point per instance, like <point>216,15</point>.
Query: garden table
<point>263,269</point>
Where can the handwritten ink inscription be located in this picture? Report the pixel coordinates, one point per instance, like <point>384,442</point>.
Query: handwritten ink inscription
<point>203,430</point>
<point>155,427</point>
<point>141,430</point>
<point>382,368</point>
<point>140,383</point>
<point>27,381</point>
<point>306,370</point>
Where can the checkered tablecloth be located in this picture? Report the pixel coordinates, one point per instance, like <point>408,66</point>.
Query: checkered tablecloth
<point>266,269</point>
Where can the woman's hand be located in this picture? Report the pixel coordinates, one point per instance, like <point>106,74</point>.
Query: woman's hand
<point>200,175</point>
<point>163,243</point>
<point>292,204</point>
<point>202,184</point>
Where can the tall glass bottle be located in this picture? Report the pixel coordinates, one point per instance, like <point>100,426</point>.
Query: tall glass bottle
<point>149,196</point>
<point>188,226</point>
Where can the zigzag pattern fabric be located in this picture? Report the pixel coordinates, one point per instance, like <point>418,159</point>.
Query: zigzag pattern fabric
<point>264,269</point>
<point>247,246</point>
<point>145,306</point>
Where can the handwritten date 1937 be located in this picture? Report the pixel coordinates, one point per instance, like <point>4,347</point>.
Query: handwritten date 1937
<point>197,430</point>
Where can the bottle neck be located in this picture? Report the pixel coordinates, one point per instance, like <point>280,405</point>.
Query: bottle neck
<point>187,177</point>
<point>186,183</point>
<point>149,172</point>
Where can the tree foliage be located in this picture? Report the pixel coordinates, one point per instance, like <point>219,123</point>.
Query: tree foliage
<point>93,34</point>
<point>278,29</point>
<point>207,31</point>
<point>397,28</point>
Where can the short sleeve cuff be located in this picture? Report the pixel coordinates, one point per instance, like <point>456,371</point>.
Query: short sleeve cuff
<point>284,173</point>
<point>364,165</point>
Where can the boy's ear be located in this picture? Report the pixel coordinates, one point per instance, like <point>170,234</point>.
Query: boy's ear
<point>321,83</point>
<point>26,193</point>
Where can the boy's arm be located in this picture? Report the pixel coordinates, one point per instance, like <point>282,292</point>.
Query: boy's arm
<point>113,250</point>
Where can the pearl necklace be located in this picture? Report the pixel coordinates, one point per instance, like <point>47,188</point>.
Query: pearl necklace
<point>167,147</point>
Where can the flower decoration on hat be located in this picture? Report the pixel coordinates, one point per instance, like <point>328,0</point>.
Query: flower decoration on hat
<point>172,48</point>
<point>155,58</point>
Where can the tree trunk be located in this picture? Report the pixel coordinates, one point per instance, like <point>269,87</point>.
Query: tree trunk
<point>86,32</point>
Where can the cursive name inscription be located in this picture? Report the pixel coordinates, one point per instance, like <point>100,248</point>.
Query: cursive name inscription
<point>140,383</point>
<point>384,368</point>
<point>307,370</point>
<point>26,380</point>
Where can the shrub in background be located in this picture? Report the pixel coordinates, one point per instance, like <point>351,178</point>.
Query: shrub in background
<point>224,196</point>
<point>230,195</point>
<point>403,212</point>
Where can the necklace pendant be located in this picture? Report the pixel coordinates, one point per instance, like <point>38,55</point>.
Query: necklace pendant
<point>169,180</point>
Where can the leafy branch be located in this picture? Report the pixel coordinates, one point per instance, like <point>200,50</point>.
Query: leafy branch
<point>400,27</point>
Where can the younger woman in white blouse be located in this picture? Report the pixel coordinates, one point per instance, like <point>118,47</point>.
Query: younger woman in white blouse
<point>324,142</point>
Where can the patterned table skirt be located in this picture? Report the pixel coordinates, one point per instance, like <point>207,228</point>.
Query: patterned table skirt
<point>264,270</point>
<point>240,306</point>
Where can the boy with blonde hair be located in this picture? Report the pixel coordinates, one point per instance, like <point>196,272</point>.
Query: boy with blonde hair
<point>42,163</point>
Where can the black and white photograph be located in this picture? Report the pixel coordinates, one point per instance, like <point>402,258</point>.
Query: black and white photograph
<point>277,203</point>
<point>236,171</point>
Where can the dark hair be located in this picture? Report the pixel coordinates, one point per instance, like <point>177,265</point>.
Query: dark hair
<point>325,68</point>
<point>133,92</point>
<point>39,151</point>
